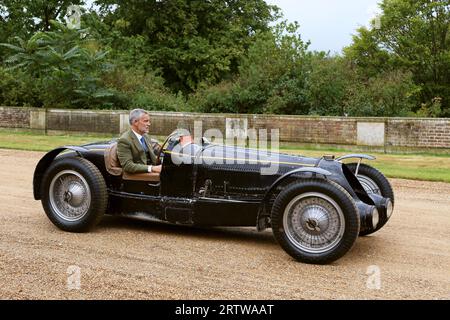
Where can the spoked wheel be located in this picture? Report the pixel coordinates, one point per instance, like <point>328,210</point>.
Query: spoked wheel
<point>373,181</point>
<point>315,221</point>
<point>74,194</point>
<point>70,195</point>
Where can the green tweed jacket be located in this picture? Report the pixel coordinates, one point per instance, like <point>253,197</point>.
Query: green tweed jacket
<point>132,156</point>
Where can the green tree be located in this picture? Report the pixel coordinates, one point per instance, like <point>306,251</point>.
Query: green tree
<point>336,88</point>
<point>415,34</point>
<point>327,84</point>
<point>17,88</point>
<point>136,88</point>
<point>271,77</point>
<point>389,94</point>
<point>23,18</point>
<point>190,42</point>
<point>65,66</point>
<point>367,53</point>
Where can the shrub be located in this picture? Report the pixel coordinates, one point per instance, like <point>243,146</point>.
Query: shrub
<point>134,88</point>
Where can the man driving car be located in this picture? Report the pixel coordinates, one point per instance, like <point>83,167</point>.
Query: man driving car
<point>134,148</point>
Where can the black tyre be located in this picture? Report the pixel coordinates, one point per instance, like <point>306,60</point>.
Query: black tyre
<point>373,181</point>
<point>74,194</point>
<point>315,221</point>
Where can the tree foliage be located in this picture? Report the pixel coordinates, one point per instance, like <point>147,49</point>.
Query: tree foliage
<point>191,42</point>
<point>414,35</point>
<point>24,18</point>
<point>271,77</point>
<point>64,65</point>
<point>222,56</point>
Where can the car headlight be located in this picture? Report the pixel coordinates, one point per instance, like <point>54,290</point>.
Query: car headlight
<point>375,217</point>
<point>389,208</point>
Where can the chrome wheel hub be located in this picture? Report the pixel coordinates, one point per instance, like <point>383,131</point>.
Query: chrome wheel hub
<point>70,196</point>
<point>314,222</point>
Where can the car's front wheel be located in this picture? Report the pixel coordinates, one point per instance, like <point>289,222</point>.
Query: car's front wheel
<point>373,181</point>
<point>74,194</point>
<point>315,221</point>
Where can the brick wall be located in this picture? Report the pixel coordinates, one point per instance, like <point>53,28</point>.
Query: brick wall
<point>309,130</point>
<point>14,117</point>
<point>83,121</point>
<point>382,133</point>
<point>423,133</point>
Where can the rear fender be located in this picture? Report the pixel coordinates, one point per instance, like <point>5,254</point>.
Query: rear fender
<point>356,156</point>
<point>45,162</point>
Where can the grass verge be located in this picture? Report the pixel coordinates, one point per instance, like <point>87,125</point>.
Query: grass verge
<point>426,167</point>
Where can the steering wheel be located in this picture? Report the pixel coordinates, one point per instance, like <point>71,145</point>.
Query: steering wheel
<point>175,132</point>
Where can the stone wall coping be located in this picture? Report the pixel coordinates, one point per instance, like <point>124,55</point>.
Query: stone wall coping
<point>234,115</point>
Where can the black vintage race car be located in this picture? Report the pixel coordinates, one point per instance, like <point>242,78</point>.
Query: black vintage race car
<point>316,207</point>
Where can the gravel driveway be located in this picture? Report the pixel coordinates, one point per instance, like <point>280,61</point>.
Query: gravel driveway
<point>130,259</point>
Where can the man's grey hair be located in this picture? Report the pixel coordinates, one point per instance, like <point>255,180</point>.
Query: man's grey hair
<point>136,114</point>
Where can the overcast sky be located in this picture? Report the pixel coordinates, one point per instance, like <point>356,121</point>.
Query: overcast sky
<point>328,24</point>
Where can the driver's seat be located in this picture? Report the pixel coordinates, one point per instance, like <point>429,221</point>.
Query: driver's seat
<point>114,168</point>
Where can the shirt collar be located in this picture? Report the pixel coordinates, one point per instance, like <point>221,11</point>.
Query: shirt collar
<point>137,135</point>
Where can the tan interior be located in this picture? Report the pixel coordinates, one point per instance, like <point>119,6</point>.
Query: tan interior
<point>113,167</point>
<point>150,177</point>
<point>112,161</point>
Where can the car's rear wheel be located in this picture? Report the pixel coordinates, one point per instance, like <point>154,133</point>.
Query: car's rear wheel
<point>315,221</point>
<point>74,194</point>
<point>373,181</point>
